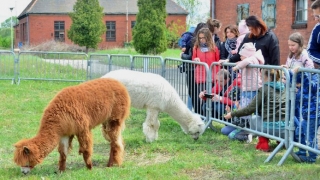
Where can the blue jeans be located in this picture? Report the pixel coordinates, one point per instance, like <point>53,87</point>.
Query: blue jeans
<point>246,97</point>
<point>227,130</point>
<point>218,110</point>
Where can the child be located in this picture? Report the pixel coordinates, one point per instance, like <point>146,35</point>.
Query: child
<point>306,105</point>
<point>185,39</point>
<point>314,41</point>
<point>220,93</point>
<point>205,51</point>
<point>251,80</point>
<point>298,56</point>
<point>243,30</point>
<point>269,101</point>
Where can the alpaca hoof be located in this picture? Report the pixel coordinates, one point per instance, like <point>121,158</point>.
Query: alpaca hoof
<point>89,166</point>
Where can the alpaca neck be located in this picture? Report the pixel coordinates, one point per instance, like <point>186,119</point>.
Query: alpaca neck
<point>45,141</point>
<point>180,112</point>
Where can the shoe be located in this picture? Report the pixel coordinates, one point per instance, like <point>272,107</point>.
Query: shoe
<point>301,153</point>
<point>249,140</point>
<point>263,144</point>
<point>307,159</point>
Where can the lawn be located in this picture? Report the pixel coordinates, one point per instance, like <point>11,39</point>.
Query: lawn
<point>174,156</point>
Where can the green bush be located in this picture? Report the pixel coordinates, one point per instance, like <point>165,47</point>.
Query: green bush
<point>5,42</point>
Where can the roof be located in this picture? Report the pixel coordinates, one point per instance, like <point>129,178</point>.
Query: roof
<point>110,7</point>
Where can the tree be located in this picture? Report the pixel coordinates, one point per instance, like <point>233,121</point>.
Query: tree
<point>192,6</point>
<point>149,33</point>
<point>7,22</point>
<point>87,26</point>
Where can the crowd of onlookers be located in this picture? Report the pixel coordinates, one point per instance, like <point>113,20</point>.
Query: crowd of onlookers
<point>251,42</point>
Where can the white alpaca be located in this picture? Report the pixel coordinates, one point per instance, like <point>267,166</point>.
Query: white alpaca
<point>154,93</point>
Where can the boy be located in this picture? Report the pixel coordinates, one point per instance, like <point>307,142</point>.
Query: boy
<point>314,41</point>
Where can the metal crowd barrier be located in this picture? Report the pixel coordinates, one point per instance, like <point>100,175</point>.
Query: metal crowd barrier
<point>7,66</point>
<point>180,74</point>
<point>52,66</point>
<point>304,122</point>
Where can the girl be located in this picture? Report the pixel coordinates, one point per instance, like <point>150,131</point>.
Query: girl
<point>269,102</point>
<point>251,82</point>
<point>205,51</point>
<point>298,56</point>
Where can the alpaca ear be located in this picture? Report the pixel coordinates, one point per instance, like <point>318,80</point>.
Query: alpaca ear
<point>26,150</point>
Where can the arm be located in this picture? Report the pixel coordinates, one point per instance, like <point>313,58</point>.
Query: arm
<point>251,108</point>
<point>274,50</point>
<point>188,55</point>
<point>244,63</point>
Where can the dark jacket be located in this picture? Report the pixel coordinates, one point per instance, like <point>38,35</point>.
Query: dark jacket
<point>272,106</point>
<point>268,44</point>
<point>222,50</point>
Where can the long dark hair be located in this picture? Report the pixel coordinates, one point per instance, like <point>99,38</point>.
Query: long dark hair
<point>256,23</point>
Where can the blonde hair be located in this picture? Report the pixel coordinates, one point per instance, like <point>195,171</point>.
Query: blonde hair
<point>272,74</point>
<point>208,36</point>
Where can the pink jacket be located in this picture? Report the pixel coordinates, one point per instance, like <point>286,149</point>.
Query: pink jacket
<point>251,80</point>
<point>206,57</point>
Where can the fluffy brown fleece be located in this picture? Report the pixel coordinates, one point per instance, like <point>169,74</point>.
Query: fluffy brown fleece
<point>74,111</point>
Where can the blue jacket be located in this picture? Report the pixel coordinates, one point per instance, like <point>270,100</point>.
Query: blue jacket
<point>314,44</point>
<point>309,91</point>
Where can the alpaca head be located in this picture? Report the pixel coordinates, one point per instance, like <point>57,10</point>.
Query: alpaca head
<point>196,126</point>
<point>26,155</point>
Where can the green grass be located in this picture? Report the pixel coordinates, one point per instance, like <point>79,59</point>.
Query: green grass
<point>173,53</point>
<point>174,156</point>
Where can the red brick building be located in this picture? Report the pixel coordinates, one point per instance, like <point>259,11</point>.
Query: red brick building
<point>283,16</point>
<point>44,20</point>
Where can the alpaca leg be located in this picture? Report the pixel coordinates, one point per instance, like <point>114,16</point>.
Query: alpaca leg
<point>151,125</point>
<point>63,151</point>
<point>85,147</point>
<point>112,132</point>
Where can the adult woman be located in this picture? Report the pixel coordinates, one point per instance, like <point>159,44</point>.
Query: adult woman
<point>263,39</point>
<point>231,33</point>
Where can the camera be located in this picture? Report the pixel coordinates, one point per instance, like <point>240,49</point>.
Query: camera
<point>208,95</point>
<point>240,122</point>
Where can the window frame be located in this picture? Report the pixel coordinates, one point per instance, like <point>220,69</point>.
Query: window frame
<point>303,11</point>
<point>59,31</point>
<point>111,32</point>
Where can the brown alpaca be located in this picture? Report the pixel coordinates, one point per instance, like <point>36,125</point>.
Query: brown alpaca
<point>74,112</point>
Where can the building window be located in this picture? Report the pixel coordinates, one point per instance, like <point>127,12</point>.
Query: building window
<point>269,12</point>
<point>133,23</point>
<point>59,31</point>
<point>242,11</point>
<point>301,15</point>
<point>111,31</point>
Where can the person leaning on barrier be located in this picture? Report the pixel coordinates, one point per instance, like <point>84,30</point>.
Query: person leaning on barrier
<point>263,39</point>
<point>189,68</point>
<point>220,93</point>
<point>307,103</point>
<point>269,101</point>
<point>205,51</point>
